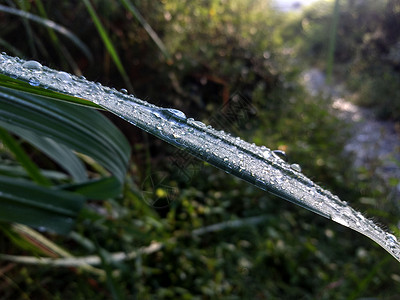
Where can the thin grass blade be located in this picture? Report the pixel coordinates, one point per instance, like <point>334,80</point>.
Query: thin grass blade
<point>49,24</point>
<point>108,43</point>
<point>154,36</point>
<point>27,203</point>
<point>61,154</point>
<point>67,125</point>
<point>25,161</point>
<point>19,85</point>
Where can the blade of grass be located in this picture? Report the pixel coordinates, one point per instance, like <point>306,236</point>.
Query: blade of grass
<point>129,6</point>
<point>23,158</point>
<point>257,165</point>
<point>19,172</point>
<point>28,28</point>
<point>40,239</point>
<point>49,24</point>
<point>36,239</point>
<point>62,52</point>
<point>61,154</point>
<point>108,43</point>
<point>113,287</point>
<point>68,125</point>
<point>98,189</point>
<point>15,84</point>
<point>92,260</point>
<point>27,203</point>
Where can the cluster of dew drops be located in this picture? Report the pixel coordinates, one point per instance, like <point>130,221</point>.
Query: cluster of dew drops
<point>35,67</point>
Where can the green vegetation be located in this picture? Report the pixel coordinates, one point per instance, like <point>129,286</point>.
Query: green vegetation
<point>367,55</point>
<point>167,199</point>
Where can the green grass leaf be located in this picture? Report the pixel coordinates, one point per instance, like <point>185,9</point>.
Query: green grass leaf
<point>61,154</point>
<point>98,189</point>
<point>23,158</point>
<point>257,165</point>
<point>25,202</point>
<point>107,42</point>
<point>154,36</point>
<point>81,129</point>
<point>50,25</point>
<point>22,86</point>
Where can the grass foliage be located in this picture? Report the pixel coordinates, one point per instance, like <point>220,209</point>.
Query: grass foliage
<point>367,54</point>
<point>136,191</point>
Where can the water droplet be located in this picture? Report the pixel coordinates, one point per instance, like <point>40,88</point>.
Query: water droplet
<point>267,154</point>
<point>198,123</point>
<point>33,81</point>
<point>32,65</point>
<point>280,154</point>
<point>391,239</point>
<point>170,112</point>
<point>278,178</point>
<point>339,219</point>
<point>296,167</point>
<point>176,135</point>
<point>124,91</point>
<point>82,77</point>
<point>311,191</point>
<point>64,76</point>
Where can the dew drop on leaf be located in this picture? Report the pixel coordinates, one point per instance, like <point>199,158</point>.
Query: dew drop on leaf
<point>339,219</point>
<point>281,154</point>
<point>199,124</point>
<point>32,65</point>
<point>63,76</point>
<point>124,91</point>
<point>266,154</point>
<point>34,82</point>
<point>391,239</point>
<point>170,112</point>
<point>296,167</point>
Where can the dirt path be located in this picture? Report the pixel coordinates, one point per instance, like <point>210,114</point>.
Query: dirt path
<point>374,144</point>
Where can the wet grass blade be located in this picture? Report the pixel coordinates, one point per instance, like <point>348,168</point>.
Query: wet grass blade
<point>257,165</point>
<point>23,86</point>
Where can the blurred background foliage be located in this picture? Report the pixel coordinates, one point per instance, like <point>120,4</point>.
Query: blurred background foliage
<point>201,57</point>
